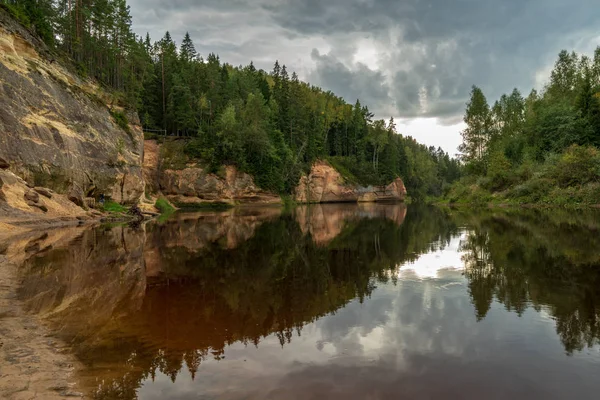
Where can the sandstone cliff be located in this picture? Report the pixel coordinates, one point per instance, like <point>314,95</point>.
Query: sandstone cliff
<point>325,185</point>
<point>56,128</point>
<point>193,184</point>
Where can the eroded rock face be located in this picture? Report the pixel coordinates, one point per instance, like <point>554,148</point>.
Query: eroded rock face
<point>18,202</point>
<point>324,184</point>
<point>194,184</point>
<point>57,130</point>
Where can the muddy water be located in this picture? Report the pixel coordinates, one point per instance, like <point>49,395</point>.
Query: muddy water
<point>336,301</point>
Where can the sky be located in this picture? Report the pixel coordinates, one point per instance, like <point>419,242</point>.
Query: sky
<point>414,60</point>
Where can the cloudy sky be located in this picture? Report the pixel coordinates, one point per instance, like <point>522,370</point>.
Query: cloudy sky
<point>414,60</point>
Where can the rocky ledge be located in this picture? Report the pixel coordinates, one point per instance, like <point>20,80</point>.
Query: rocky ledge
<point>324,184</point>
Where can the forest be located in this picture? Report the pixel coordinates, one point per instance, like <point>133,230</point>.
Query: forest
<point>539,149</point>
<point>267,123</point>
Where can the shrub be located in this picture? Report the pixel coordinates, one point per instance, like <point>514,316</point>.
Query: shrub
<point>466,192</point>
<point>499,172</point>
<point>531,191</point>
<point>164,206</point>
<point>578,165</point>
<point>173,155</point>
<point>113,207</point>
<point>121,120</point>
<point>591,193</point>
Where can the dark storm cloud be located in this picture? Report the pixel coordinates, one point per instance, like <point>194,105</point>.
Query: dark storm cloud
<point>359,82</point>
<point>424,55</point>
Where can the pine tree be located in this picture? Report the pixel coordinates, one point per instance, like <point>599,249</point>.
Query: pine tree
<point>187,51</point>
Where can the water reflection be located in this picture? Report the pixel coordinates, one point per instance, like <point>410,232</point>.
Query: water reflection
<point>333,301</point>
<point>538,259</point>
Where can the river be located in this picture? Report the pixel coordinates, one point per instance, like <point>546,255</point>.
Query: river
<point>325,302</point>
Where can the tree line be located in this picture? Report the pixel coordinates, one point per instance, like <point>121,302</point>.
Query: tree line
<point>539,148</point>
<point>268,123</point>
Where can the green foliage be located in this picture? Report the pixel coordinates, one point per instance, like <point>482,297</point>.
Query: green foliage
<point>499,171</point>
<point>542,149</point>
<point>466,191</point>
<point>114,207</point>
<point>164,206</point>
<point>268,124</point>
<point>174,154</point>
<point>36,14</point>
<point>577,166</point>
<point>121,120</point>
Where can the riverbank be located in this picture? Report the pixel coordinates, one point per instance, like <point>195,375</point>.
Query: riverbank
<point>572,206</point>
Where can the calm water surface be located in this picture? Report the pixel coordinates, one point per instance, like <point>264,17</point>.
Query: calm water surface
<point>329,302</point>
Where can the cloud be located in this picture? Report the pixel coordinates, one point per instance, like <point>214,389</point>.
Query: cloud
<point>411,59</point>
<point>358,82</point>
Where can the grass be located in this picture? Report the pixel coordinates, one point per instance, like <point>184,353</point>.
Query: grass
<point>121,120</point>
<point>114,207</point>
<point>164,206</point>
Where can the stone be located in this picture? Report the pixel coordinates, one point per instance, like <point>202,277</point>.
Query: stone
<point>32,196</point>
<point>128,190</point>
<point>44,191</point>
<point>195,185</point>
<point>89,202</point>
<point>324,184</point>
<point>76,196</point>
<point>51,130</point>
<point>37,205</point>
<point>368,197</point>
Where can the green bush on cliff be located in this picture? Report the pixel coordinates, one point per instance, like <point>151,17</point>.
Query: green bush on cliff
<point>121,120</point>
<point>164,206</point>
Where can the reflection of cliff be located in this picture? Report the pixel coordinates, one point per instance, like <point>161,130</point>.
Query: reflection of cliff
<point>216,278</point>
<point>187,233</point>
<point>325,222</point>
<point>134,302</point>
<point>543,259</point>
<point>100,270</point>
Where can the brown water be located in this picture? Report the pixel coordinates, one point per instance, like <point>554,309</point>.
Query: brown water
<point>328,302</point>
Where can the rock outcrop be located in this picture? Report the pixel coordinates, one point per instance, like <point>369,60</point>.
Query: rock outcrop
<point>57,130</point>
<point>324,184</point>
<point>193,184</point>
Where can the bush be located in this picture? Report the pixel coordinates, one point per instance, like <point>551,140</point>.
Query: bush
<point>173,155</point>
<point>121,120</point>
<point>113,207</point>
<point>164,206</point>
<point>466,192</point>
<point>499,172</point>
<point>531,191</point>
<point>578,165</point>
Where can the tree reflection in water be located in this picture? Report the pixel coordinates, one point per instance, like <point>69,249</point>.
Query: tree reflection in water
<point>168,296</point>
<point>540,259</point>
